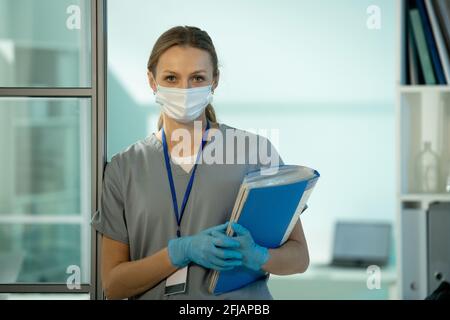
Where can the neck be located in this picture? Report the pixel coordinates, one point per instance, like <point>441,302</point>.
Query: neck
<point>177,132</point>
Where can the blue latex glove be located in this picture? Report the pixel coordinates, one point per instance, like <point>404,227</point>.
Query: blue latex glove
<point>210,248</point>
<point>254,255</point>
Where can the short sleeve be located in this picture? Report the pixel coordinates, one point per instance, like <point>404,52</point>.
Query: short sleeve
<point>110,219</point>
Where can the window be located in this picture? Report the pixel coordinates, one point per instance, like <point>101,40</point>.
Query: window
<point>45,205</point>
<point>45,43</point>
<point>51,137</point>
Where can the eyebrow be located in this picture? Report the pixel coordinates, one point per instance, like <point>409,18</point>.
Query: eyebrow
<point>197,71</point>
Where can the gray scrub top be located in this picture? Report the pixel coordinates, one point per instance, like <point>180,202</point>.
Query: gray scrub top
<point>136,206</point>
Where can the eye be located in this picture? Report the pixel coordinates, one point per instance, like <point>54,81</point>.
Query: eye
<point>199,78</point>
<point>170,78</point>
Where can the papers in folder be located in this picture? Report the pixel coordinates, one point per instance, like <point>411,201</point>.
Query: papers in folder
<point>269,207</point>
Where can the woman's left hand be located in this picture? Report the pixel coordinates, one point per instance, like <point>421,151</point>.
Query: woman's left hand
<point>254,256</point>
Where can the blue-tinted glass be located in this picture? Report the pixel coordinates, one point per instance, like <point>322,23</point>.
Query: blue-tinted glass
<point>45,192</point>
<point>45,43</point>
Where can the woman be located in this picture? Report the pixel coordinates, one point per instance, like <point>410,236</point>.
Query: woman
<point>163,218</point>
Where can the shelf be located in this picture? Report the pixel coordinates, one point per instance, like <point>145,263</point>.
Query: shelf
<point>331,273</point>
<point>422,88</point>
<point>423,164</point>
<point>425,197</point>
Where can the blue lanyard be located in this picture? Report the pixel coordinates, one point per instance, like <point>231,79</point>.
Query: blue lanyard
<point>191,179</point>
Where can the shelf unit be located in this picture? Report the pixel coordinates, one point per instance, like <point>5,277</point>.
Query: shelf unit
<point>422,114</point>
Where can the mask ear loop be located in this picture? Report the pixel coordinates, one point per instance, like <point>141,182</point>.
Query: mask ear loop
<point>154,92</point>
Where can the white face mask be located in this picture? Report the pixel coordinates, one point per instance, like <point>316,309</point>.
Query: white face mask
<point>183,105</point>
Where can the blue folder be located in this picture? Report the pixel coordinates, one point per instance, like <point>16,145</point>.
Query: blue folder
<point>266,213</point>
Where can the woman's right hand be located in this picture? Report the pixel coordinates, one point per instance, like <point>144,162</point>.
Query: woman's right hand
<point>210,248</point>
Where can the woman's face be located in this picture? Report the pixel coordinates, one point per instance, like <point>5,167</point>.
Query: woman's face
<point>183,67</point>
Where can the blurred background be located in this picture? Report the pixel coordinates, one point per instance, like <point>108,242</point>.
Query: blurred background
<point>313,70</point>
<point>327,87</point>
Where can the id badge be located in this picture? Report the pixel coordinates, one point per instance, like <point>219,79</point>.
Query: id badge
<point>176,283</point>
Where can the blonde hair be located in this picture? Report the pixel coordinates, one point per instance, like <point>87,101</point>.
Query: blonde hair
<point>184,36</point>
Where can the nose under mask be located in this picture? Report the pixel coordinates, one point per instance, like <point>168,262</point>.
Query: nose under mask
<point>183,105</point>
